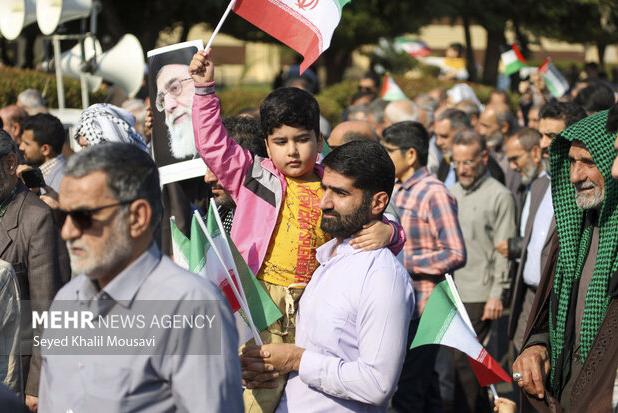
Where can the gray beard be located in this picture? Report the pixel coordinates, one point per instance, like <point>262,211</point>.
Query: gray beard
<point>181,142</point>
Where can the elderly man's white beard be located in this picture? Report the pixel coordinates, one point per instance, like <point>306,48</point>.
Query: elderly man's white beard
<point>181,138</point>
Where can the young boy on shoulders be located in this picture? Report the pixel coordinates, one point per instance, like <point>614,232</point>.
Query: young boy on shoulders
<point>276,225</point>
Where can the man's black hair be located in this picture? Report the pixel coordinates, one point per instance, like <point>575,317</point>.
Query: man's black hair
<point>406,135</point>
<point>290,106</point>
<point>595,98</point>
<point>247,132</point>
<point>46,130</point>
<point>366,163</point>
<point>567,111</point>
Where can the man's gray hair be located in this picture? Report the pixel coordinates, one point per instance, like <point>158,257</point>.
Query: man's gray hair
<point>469,137</point>
<point>362,109</point>
<point>131,173</point>
<point>7,144</point>
<point>376,108</point>
<point>401,111</point>
<point>32,101</point>
<point>528,138</point>
<point>458,119</point>
<point>469,107</point>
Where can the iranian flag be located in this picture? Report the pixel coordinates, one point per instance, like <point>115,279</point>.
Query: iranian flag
<point>306,26</point>
<point>555,82</point>
<point>210,253</point>
<point>446,322</point>
<point>512,60</point>
<point>390,90</point>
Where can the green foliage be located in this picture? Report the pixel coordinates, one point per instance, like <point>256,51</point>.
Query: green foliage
<point>234,100</point>
<point>13,81</point>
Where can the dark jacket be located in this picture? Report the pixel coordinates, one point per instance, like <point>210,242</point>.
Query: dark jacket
<point>30,242</point>
<point>593,387</point>
<point>537,192</point>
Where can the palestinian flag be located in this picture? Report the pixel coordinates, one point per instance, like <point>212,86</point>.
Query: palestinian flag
<point>200,254</point>
<point>555,82</point>
<point>446,322</point>
<point>306,26</point>
<point>390,90</point>
<point>413,47</point>
<point>512,60</point>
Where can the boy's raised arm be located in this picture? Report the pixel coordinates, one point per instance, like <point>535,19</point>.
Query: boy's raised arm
<point>223,156</point>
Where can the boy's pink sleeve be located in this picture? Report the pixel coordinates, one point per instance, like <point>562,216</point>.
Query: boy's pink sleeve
<point>223,156</point>
<point>398,238</point>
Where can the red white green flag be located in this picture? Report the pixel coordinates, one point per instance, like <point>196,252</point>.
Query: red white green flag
<point>211,254</point>
<point>390,90</point>
<point>445,321</point>
<point>512,60</point>
<point>306,26</point>
<point>554,80</point>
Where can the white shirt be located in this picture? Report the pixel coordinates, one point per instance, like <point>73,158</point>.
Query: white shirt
<point>540,228</point>
<point>353,322</point>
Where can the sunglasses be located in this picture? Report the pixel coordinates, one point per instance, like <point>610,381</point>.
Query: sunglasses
<point>174,89</point>
<point>83,217</point>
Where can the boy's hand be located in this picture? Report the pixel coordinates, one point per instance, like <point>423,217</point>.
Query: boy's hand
<point>373,236</point>
<point>202,68</point>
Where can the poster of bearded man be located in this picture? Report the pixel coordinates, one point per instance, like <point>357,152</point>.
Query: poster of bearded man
<point>171,92</point>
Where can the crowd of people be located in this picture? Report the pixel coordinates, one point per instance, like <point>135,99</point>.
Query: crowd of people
<point>348,229</point>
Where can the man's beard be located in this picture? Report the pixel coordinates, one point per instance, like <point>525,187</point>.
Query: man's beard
<point>344,226</point>
<point>529,174</point>
<point>587,201</point>
<point>494,141</point>
<point>115,254</point>
<point>181,140</point>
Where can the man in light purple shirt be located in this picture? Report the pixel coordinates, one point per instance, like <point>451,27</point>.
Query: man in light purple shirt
<point>353,318</point>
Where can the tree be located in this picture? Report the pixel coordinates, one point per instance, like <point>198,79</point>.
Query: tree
<point>576,21</point>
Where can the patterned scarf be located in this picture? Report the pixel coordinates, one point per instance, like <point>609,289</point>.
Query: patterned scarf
<point>575,240</point>
<point>103,122</point>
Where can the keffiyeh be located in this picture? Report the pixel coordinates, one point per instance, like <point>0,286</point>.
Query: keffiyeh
<point>103,122</point>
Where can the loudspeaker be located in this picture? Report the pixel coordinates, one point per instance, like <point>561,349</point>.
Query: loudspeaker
<point>15,15</point>
<point>123,65</point>
<point>51,13</point>
<point>71,62</point>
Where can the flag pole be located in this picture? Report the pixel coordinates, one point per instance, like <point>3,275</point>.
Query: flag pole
<point>235,273</point>
<point>241,300</point>
<point>216,31</point>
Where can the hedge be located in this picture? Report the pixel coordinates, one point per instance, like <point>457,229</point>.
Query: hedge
<point>333,99</point>
<point>14,81</point>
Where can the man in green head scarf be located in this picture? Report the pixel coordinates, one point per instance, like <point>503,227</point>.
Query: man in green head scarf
<point>574,342</point>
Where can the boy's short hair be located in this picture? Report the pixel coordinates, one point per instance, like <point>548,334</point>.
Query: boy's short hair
<point>290,106</point>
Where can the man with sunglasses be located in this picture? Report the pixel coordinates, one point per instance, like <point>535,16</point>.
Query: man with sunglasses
<point>110,200</point>
<point>30,242</point>
<point>174,97</point>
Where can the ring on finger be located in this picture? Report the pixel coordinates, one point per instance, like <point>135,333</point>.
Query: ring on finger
<point>517,377</point>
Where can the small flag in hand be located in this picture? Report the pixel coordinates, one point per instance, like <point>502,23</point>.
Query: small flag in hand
<point>442,323</point>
